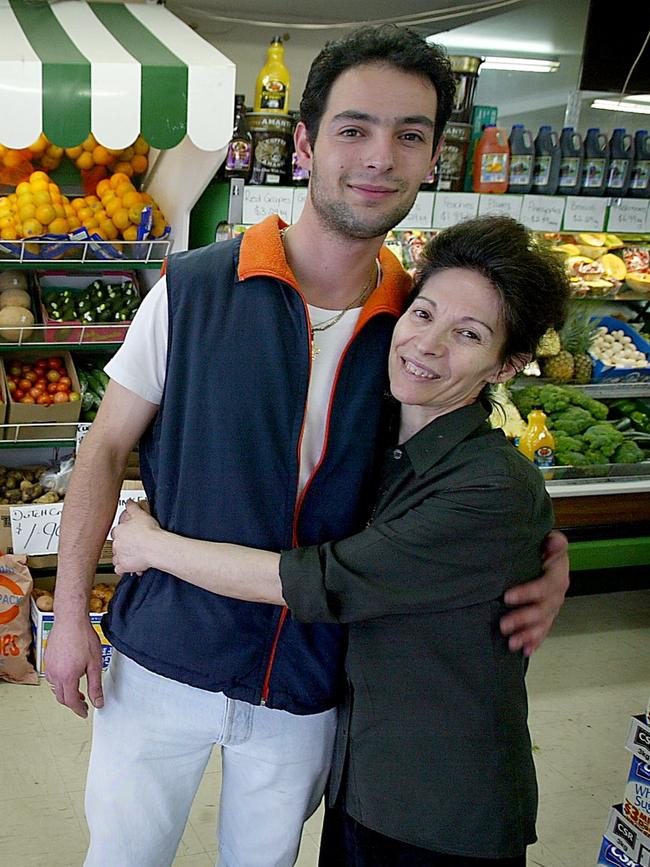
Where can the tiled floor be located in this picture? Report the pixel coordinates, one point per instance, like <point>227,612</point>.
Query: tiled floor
<point>590,676</point>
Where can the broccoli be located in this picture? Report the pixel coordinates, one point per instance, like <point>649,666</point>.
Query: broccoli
<point>570,459</point>
<point>594,456</point>
<point>553,398</point>
<point>564,443</point>
<point>604,438</point>
<point>571,421</point>
<point>628,453</point>
<point>526,398</point>
<point>598,409</point>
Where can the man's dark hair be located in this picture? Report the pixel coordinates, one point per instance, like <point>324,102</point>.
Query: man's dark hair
<point>533,288</point>
<point>398,47</point>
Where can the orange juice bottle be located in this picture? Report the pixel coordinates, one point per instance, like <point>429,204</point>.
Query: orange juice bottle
<point>273,81</point>
<point>491,166</point>
<point>537,443</point>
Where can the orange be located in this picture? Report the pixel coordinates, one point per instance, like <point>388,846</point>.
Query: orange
<point>59,210</point>
<point>109,229</point>
<point>117,178</point>
<point>74,223</point>
<point>23,187</point>
<point>127,154</point>
<point>9,233</point>
<point>146,198</point>
<point>100,214</point>
<point>25,199</point>
<point>96,230</point>
<point>73,153</point>
<point>102,157</point>
<point>132,198</point>
<point>90,143</point>
<point>69,211</point>
<point>158,228</point>
<point>125,168</point>
<point>45,214</point>
<point>91,223</point>
<point>39,145</point>
<point>84,214</point>
<point>42,197</point>
<point>12,158</point>
<point>39,184</point>
<point>49,163</point>
<point>78,203</point>
<point>27,212</point>
<point>140,164</point>
<point>140,146</point>
<point>130,234</point>
<point>32,227</point>
<point>85,161</point>
<point>124,188</point>
<point>114,205</point>
<point>39,176</point>
<point>54,151</point>
<point>135,213</point>
<point>6,221</point>
<point>59,226</point>
<point>120,218</point>
<point>54,189</point>
<point>103,187</point>
<point>108,197</point>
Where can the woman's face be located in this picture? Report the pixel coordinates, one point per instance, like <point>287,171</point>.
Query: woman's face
<point>448,344</point>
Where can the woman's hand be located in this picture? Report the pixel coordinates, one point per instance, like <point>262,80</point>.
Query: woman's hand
<point>134,538</point>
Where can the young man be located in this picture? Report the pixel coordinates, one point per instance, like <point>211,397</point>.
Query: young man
<point>253,377</point>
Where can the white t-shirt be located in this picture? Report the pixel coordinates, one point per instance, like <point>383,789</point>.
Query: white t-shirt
<point>141,362</point>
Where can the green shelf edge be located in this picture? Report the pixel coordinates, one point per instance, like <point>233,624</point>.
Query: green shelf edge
<point>609,553</point>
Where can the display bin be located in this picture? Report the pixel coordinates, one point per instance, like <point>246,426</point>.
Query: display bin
<point>606,373</point>
<point>40,416</point>
<point>43,621</point>
<point>49,283</point>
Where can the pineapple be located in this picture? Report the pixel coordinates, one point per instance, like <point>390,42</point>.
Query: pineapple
<point>549,344</point>
<point>577,335</point>
<point>559,367</point>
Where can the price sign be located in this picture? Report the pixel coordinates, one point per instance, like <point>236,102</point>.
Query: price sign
<point>299,198</point>
<point>261,202</point>
<point>542,213</point>
<point>35,527</point>
<point>502,206</point>
<point>421,214</point>
<point>583,213</point>
<point>82,430</point>
<point>452,208</point>
<point>628,215</point>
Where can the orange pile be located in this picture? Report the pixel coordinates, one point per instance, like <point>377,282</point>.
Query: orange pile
<point>129,161</point>
<point>37,207</point>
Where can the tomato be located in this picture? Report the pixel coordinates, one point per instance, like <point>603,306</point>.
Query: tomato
<point>35,392</point>
<point>51,388</point>
<point>31,375</point>
<point>56,361</point>
<point>11,385</point>
<point>25,368</point>
<point>41,381</point>
<point>44,400</point>
<point>24,384</point>
<point>53,375</point>
<point>61,397</point>
<point>18,394</point>
<point>65,380</point>
<point>12,378</point>
<point>15,370</point>
<point>61,386</point>
<point>74,396</point>
<point>41,364</point>
<point>27,399</point>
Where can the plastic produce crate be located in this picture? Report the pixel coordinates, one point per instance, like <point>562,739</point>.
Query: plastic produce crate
<point>606,373</point>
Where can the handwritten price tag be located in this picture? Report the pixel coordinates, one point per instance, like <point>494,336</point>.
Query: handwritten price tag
<point>501,206</point>
<point>82,430</point>
<point>261,202</point>
<point>35,527</point>
<point>299,199</point>
<point>583,213</point>
<point>542,213</point>
<point>420,215</point>
<point>452,208</point>
<point>628,215</point>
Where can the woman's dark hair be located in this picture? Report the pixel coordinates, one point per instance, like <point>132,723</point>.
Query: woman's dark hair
<point>533,288</point>
<point>399,47</point>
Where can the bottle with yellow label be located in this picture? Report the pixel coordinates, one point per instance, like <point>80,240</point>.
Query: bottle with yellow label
<point>273,81</point>
<point>537,443</point>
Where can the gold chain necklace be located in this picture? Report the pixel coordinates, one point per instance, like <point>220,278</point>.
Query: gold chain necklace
<point>329,323</point>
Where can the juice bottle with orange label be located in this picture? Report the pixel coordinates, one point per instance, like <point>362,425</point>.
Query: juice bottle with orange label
<point>537,443</point>
<point>492,161</point>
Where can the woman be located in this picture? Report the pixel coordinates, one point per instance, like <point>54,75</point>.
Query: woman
<point>433,760</point>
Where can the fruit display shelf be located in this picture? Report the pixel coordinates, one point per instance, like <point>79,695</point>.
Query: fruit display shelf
<point>30,253</point>
<point>597,390</point>
<point>75,335</point>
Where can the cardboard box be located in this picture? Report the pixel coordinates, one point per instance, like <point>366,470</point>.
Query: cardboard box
<point>636,806</point>
<point>48,283</point>
<point>612,856</point>
<point>43,621</point>
<point>29,414</point>
<point>630,840</point>
<point>638,738</point>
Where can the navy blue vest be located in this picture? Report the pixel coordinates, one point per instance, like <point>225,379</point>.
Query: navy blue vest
<point>220,462</point>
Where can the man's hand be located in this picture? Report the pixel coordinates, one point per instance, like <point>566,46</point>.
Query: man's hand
<point>132,538</point>
<point>538,602</point>
<point>73,649</point>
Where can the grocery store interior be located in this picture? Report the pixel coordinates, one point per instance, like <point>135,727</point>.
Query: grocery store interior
<point>104,174</point>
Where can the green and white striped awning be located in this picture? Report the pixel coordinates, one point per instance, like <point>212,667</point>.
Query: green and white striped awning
<point>118,70</point>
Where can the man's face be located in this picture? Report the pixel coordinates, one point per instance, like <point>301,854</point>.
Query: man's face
<point>372,151</point>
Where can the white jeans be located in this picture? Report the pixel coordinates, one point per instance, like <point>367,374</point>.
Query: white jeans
<point>151,743</point>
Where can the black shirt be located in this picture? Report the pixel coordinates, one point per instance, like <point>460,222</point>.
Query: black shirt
<point>435,733</point>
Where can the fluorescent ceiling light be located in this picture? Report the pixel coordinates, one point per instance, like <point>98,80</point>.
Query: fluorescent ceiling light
<point>622,105</point>
<point>520,64</point>
<point>490,43</point>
